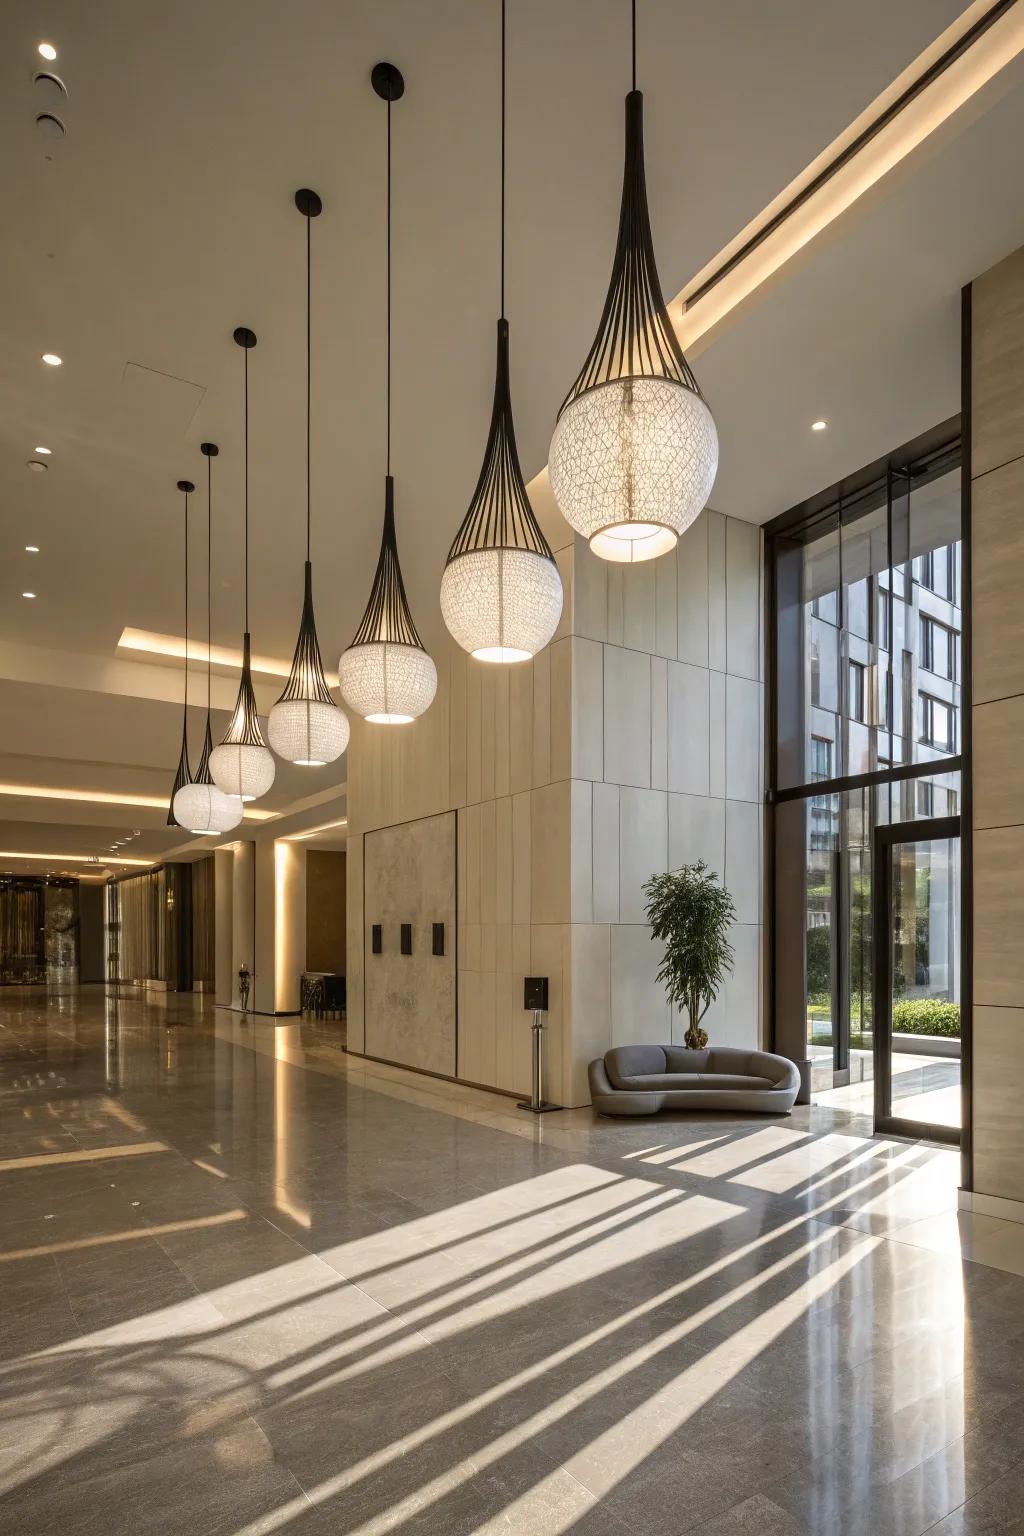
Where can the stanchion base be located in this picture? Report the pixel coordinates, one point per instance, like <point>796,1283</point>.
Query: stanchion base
<point>540,1109</point>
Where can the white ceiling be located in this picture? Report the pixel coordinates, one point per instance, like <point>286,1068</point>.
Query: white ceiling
<point>165,219</point>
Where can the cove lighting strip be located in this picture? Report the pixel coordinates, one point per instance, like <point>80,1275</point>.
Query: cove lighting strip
<point>326,826</point>
<point>152,643</point>
<point>77,858</point>
<point>730,278</point>
<point>107,797</point>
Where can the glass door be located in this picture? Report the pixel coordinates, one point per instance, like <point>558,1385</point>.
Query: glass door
<point>916,1013</point>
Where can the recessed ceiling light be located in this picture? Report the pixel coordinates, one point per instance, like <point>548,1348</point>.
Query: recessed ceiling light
<point>48,51</point>
<point>819,426</point>
<point>40,449</point>
<point>52,360</point>
<point>31,549</point>
<point>28,594</point>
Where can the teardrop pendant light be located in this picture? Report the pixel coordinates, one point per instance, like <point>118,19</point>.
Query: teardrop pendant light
<point>501,594</point>
<point>243,764</point>
<point>386,674</point>
<point>184,773</point>
<point>635,452</point>
<point>201,807</point>
<point>305,726</point>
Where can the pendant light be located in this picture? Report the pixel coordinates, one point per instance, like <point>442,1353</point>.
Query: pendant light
<point>243,764</point>
<point>184,773</point>
<point>501,594</point>
<point>201,807</point>
<point>635,451</point>
<point>305,726</point>
<point>386,674</point>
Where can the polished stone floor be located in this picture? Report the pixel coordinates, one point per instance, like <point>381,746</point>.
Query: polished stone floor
<point>248,1284</point>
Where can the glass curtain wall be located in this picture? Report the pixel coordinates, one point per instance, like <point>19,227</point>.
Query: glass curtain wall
<point>867,628</point>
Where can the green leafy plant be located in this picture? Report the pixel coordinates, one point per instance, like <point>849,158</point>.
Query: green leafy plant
<point>926,1016</point>
<point>691,914</point>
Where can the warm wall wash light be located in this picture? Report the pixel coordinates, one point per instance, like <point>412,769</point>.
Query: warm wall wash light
<point>52,360</point>
<point>28,594</point>
<point>635,452</point>
<point>48,51</point>
<point>305,726</point>
<point>202,806</point>
<point>501,594</point>
<point>819,426</point>
<point>243,764</point>
<point>31,549</point>
<point>40,449</point>
<point>386,674</point>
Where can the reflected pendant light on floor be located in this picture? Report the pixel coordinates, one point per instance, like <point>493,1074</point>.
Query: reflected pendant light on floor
<point>305,726</point>
<point>201,807</point>
<point>243,764</point>
<point>184,774</point>
<point>501,594</point>
<point>386,675</point>
<point>635,451</point>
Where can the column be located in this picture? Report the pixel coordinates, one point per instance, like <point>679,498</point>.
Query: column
<point>223,880</point>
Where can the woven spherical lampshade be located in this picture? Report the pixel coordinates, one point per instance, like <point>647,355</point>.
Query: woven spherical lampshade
<point>244,771</point>
<point>632,464</point>
<point>307,731</point>
<point>205,810</point>
<point>501,594</point>
<point>635,451</point>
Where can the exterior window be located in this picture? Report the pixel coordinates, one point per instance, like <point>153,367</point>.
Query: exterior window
<point>925,798</point>
<point>936,572</point>
<point>937,647</point>
<point>882,609</point>
<point>857,691</point>
<point>936,723</point>
<point>821,759</point>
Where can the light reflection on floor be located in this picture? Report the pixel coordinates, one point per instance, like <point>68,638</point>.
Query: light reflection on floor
<point>257,1285</point>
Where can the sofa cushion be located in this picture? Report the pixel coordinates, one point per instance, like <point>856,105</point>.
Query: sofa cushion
<point>679,1059</point>
<point>660,1082</point>
<point>727,1080</point>
<point>625,1062</point>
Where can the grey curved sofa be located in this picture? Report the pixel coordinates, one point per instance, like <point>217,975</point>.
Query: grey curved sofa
<point>641,1079</point>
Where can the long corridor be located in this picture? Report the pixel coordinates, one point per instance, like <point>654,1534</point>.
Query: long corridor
<point>251,1284</point>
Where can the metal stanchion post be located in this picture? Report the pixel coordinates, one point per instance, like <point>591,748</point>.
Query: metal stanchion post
<point>535,1000</point>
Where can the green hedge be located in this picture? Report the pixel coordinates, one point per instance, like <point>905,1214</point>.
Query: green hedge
<point>926,1016</point>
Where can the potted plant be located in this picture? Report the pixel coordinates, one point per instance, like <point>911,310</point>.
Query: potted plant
<point>691,914</point>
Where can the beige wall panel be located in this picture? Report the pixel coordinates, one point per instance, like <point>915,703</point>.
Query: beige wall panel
<point>565,560</point>
<point>639,1009</point>
<point>742,597</point>
<point>998,763</point>
<point>742,876</point>
<point>718,646</point>
<point>627,717</point>
<point>692,615</point>
<point>469,841</point>
<point>590,993</point>
<point>743,767</point>
<point>689,726</point>
<point>997,340</point>
<point>502,762</point>
<point>659,722</point>
<point>521,858</point>
<point>581,861</point>
<point>666,606</point>
<point>457,727</point>
<point>590,593</point>
<point>503,861</point>
<point>998,1122</point>
<point>542,717</point>
<point>716,732</point>
<point>614,589</point>
<point>550,853</point>
<point>488,861</point>
<point>488,745</point>
<point>638,586</point>
<point>587,709</point>
<point>997,556</point>
<point>474,731</point>
<point>999,917</point>
<point>546,956</point>
<point>561,709</point>
<point>733,1018</point>
<point>643,847</point>
<point>354,947</point>
<point>409,876</point>
<point>520,745</point>
<point>605,856</point>
<point>696,830</point>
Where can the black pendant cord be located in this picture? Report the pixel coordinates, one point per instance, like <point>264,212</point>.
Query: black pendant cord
<point>183,775</point>
<point>633,34</point>
<point>203,775</point>
<point>500,515</point>
<point>245,494</point>
<point>309,388</point>
<point>244,726</point>
<point>387,470</point>
<point>503,159</point>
